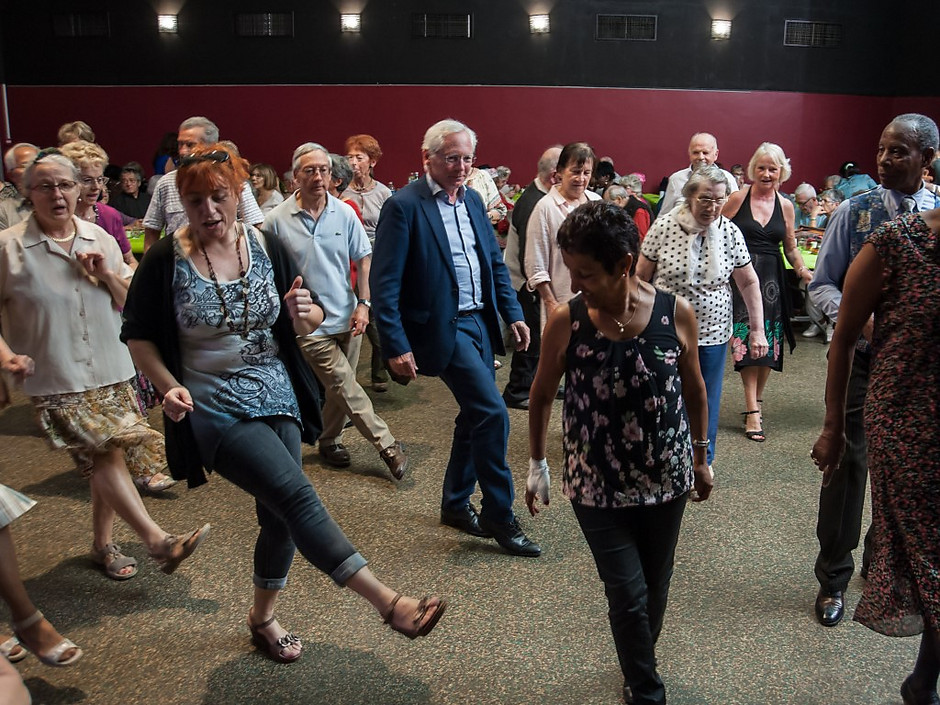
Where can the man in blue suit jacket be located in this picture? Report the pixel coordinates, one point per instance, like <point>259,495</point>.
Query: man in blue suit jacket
<point>438,283</point>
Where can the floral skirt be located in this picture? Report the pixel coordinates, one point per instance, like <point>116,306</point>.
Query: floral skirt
<point>12,505</point>
<point>99,420</point>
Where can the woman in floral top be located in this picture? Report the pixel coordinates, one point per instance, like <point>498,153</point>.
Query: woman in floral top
<point>635,421</point>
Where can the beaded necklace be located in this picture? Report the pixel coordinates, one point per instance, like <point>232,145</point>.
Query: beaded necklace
<point>226,315</point>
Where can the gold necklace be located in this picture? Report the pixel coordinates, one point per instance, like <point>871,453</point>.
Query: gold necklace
<point>622,325</point>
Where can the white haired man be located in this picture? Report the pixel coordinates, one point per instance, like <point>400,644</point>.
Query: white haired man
<point>13,204</point>
<point>703,149</point>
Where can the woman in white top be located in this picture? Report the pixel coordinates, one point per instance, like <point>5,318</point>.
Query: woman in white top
<point>546,271</point>
<point>63,282</point>
<point>694,251</point>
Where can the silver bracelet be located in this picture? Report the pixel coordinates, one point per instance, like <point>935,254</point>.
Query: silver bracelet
<point>699,444</point>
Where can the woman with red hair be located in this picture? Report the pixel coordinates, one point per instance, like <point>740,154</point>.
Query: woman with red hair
<point>212,317</point>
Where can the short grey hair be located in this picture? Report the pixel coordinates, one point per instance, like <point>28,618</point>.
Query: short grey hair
<point>775,152</point>
<point>212,131</point>
<point>614,192</point>
<point>709,174</point>
<point>341,170</point>
<point>54,158</point>
<point>632,182</point>
<point>306,148</point>
<point>924,129</point>
<point>9,157</point>
<point>438,132</point>
<point>548,162</point>
<point>831,194</point>
<point>805,188</point>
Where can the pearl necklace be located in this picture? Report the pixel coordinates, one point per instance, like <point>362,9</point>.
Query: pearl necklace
<point>60,240</point>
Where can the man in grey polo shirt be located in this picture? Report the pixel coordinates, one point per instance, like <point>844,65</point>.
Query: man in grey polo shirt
<point>165,211</point>
<point>324,234</point>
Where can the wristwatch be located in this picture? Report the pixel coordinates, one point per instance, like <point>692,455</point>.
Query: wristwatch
<point>365,302</point>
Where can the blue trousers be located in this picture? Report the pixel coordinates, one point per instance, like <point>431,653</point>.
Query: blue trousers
<point>262,457</point>
<point>711,358</point>
<point>481,432</point>
<point>634,549</point>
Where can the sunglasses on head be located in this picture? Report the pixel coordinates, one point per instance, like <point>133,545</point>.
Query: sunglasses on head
<point>217,156</point>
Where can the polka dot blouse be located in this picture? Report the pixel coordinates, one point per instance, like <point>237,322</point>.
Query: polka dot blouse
<point>698,266</point>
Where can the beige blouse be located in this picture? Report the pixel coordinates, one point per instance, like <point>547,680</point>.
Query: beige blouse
<point>53,312</point>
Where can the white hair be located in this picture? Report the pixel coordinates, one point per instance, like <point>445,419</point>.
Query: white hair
<point>306,148</point>
<point>212,131</point>
<point>9,157</point>
<point>437,133</point>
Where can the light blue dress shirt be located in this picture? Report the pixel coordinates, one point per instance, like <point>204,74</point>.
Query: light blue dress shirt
<point>462,241</point>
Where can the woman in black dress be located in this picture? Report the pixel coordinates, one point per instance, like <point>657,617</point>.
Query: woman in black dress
<point>766,219</point>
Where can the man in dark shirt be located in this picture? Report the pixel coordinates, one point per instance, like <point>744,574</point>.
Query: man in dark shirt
<point>131,200</point>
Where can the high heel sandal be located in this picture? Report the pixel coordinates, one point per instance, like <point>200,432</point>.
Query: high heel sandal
<point>53,657</point>
<point>426,603</point>
<point>165,558</point>
<point>12,650</point>
<point>758,435</point>
<point>275,649</point>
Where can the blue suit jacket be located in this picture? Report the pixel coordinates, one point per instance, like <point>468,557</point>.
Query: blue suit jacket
<point>414,284</point>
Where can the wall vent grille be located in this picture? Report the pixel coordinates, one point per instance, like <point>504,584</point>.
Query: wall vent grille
<point>637,28</point>
<point>81,24</point>
<point>264,24</point>
<point>427,25</point>
<point>801,33</point>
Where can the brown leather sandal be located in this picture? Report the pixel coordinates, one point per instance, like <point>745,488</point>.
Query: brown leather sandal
<point>426,603</point>
<point>275,649</point>
<point>169,559</point>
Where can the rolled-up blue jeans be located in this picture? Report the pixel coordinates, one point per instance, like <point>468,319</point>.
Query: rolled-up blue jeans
<point>262,457</point>
<point>711,359</point>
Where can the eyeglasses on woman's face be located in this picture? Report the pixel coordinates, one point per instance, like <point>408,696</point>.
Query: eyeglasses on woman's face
<point>64,187</point>
<point>89,180</point>
<point>708,202</point>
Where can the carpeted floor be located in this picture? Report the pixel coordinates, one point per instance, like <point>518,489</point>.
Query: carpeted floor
<point>739,628</point>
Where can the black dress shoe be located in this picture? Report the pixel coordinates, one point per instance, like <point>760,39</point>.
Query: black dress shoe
<point>830,607</point>
<point>466,519</point>
<point>911,698</point>
<point>518,404</point>
<point>627,695</point>
<point>511,538</point>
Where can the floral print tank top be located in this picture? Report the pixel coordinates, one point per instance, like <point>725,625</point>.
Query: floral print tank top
<point>626,431</point>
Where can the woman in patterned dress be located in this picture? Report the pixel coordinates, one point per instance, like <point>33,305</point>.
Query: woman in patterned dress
<point>205,322</point>
<point>896,278</point>
<point>695,252</point>
<point>62,283</point>
<point>766,219</point>
<point>635,416</point>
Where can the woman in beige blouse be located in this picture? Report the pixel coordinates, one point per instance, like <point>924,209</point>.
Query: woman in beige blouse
<point>62,284</point>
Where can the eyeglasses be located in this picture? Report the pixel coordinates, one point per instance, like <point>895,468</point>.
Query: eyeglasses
<point>311,170</point>
<point>803,203</point>
<point>455,159</point>
<point>63,186</point>
<point>711,202</point>
<point>89,180</point>
<point>218,156</point>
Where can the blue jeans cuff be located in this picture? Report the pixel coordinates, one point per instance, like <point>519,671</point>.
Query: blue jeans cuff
<point>269,583</point>
<point>348,568</point>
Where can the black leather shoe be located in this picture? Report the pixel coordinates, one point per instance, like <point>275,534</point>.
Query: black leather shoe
<point>518,403</point>
<point>466,519</point>
<point>911,698</point>
<point>627,695</point>
<point>830,607</point>
<point>511,538</point>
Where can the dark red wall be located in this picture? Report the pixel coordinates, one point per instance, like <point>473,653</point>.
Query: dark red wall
<point>642,129</point>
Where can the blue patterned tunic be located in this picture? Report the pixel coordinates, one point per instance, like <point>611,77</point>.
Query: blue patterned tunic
<point>626,431</point>
<point>229,377</point>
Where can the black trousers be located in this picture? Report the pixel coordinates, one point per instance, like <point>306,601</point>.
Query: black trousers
<point>524,363</point>
<point>839,522</point>
<point>634,550</point>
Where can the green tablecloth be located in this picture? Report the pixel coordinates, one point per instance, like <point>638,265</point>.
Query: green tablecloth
<point>809,258</point>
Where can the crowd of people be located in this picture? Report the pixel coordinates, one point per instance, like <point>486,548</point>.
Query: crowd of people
<point>245,317</point>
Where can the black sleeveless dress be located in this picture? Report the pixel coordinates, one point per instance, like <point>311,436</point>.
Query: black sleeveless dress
<point>763,242</point>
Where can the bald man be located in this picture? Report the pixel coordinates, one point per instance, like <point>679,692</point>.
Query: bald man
<point>703,149</point>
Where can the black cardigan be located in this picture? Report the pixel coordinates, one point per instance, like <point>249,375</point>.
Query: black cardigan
<point>149,314</point>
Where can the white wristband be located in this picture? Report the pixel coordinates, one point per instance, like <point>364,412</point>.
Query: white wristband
<point>538,465</point>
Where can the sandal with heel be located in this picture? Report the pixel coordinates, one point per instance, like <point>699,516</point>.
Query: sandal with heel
<point>426,603</point>
<point>279,649</point>
<point>758,436</point>
<point>165,557</point>
<point>54,656</point>
<point>12,650</point>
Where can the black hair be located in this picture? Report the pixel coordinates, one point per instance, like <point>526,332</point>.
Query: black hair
<point>576,154</point>
<point>601,230</point>
<point>604,169</point>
